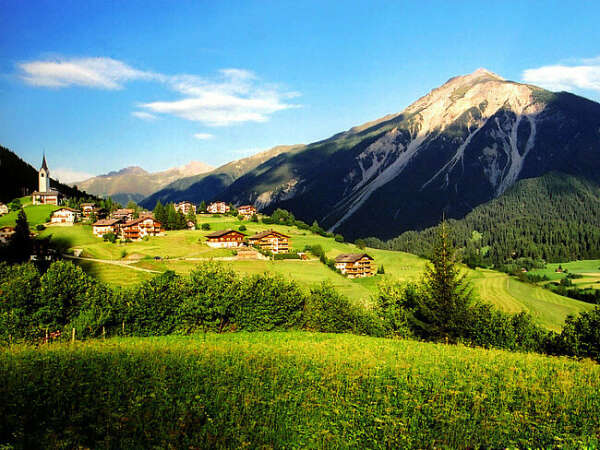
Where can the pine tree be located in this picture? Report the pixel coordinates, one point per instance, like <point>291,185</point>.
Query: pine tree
<point>20,242</point>
<point>172,217</point>
<point>159,213</point>
<point>444,306</point>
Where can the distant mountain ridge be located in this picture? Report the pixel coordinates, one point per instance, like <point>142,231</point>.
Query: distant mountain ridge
<point>461,145</point>
<point>209,186</point>
<point>135,183</point>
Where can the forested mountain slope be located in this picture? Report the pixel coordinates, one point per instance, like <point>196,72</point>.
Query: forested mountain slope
<point>555,217</point>
<point>18,178</point>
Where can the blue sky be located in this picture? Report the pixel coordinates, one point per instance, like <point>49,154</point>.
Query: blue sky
<point>101,85</point>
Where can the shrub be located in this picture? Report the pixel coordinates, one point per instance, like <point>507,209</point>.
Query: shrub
<point>110,237</point>
<point>242,228</point>
<point>205,226</point>
<point>282,256</point>
<point>40,227</point>
<point>339,238</point>
<point>580,336</point>
<point>329,311</point>
<point>395,305</point>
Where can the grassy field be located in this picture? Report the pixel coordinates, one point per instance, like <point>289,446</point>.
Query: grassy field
<point>588,269</point>
<point>293,390</point>
<point>181,251</point>
<point>36,215</point>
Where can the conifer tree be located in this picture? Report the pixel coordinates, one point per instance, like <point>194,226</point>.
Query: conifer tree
<point>20,242</point>
<point>445,303</point>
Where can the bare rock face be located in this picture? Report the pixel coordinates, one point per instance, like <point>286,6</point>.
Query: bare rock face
<point>461,145</point>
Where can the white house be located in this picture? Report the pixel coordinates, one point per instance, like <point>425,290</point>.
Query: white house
<point>67,216</point>
<point>218,208</point>
<point>45,195</point>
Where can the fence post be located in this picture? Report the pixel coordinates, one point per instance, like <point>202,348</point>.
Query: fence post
<point>103,333</point>
<point>46,340</point>
<point>123,328</point>
<point>73,336</point>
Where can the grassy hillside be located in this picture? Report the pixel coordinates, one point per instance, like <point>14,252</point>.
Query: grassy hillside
<point>181,251</point>
<point>36,215</point>
<point>293,390</point>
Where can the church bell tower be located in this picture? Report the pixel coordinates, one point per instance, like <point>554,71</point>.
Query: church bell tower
<point>44,177</point>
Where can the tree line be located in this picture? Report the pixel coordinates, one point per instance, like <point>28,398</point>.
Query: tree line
<point>441,307</point>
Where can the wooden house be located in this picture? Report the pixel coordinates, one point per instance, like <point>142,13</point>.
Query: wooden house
<point>218,208</point>
<point>355,265</point>
<point>6,233</point>
<point>123,214</point>
<point>87,209</point>
<point>3,209</point>
<point>271,240</point>
<point>185,207</point>
<point>225,239</point>
<point>247,211</point>
<point>65,216</point>
<point>105,226</point>
<point>137,229</point>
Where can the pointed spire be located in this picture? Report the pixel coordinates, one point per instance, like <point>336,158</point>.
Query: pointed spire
<point>44,165</point>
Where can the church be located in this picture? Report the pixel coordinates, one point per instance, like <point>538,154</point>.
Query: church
<point>45,195</point>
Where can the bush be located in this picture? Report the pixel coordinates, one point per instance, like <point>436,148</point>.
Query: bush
<point>281,256</point>
<point>580,336</point>
<point>205,226</point>
<point>242,228</point>
<point>40,227</point>
<point>395,305</point>
<point>339,238</point>
<point>329,311</point>
<point>110,237</point>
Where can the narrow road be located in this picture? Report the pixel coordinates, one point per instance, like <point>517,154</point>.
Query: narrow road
<point>114,263</point>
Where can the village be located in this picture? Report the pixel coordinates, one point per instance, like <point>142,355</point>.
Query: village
<point>133,224</point>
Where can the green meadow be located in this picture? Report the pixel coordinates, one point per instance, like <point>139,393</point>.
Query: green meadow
<point>589,270</point>
<point>293,390</point>
<point>36,215</point>
<point>182,250</point>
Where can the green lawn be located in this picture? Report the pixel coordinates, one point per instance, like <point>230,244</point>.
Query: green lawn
<point>293,390</point>
<point>36,215</point>
<point>497,288</point>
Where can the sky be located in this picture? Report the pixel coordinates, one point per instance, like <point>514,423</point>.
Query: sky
<point>102,85</point>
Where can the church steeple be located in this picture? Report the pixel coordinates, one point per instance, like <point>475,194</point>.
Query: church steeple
<point>44,176</point>
<point>44,165</point>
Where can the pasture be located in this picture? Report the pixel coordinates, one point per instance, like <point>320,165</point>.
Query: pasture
<point>293,390</point>
<point>182,250</point>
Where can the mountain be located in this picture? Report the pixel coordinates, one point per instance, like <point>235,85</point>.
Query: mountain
<point>209,186</point>
<point>462,145</point>
<point>134,183</point>
<point>555,217</point>
<point>18,178</point>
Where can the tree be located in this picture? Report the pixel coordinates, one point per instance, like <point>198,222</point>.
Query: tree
<point>21,244</point>
<point>15,205</point>
<point>444,305</point>
<point>160,213</point>
<point>202,206</point>
<point>360,243</point>
<point>191,217</point>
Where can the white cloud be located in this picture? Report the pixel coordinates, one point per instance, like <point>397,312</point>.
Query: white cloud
<point>102,73</point>
<point>234,96</point>
<point>203,136</point>
<point>143,115</point>
<point>561,77</point>
<point>65,175</point>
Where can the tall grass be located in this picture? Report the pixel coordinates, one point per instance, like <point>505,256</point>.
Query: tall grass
<point>282,390</point>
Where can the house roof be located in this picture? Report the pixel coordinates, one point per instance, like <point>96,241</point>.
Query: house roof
<point>7,228</point>
<point>216,234</point>
<point>246,207</point>
<point>263,234</point>
<point>351,257</point>
<point>47,194</point>
<point>124,211</point>
<point>66,208</point>
<point>106,222</point>
<point>88,204</point>
<point>138,220</point>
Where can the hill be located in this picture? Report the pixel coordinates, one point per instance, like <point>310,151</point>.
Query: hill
<point>181,251</point>
<point>211,185</point>
<point>462,145</point>
<point>293,390</point>
<point>134,183</point>
<point>18,178</point>
<point>555,217</point>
